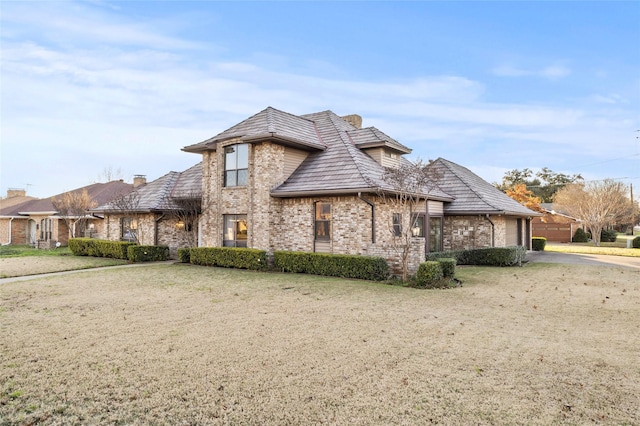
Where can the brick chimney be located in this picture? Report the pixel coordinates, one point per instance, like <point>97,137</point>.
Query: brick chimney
<point>354,119</point>
<point>139,180</point>
<point>13,192</point>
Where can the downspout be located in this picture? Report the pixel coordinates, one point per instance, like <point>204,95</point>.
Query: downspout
<point>155,229</point>
<point>493,231</point>
<point>427,227</point>
<point>10,229</point>
<point>373,216</point>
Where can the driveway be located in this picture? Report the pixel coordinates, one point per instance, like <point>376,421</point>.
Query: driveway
<point>583,259</point>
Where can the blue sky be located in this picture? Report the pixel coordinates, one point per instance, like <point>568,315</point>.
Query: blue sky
<point>493,86</point>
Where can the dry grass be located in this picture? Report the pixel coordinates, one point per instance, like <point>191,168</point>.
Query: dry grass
<point>591,249</point>
<point>179,344</point>
<point>33,265</point>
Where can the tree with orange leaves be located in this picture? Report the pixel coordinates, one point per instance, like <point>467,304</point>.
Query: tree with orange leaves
<point>521,194</point>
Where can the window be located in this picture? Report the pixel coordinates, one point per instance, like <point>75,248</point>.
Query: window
<point>46,228</point>
<point>417,225</point>
<point>397,224</point>
<point>323,221</point>
<point>236,165</point>
<point>129,229</point>
<point>435,234</point>
<point>235,230</point>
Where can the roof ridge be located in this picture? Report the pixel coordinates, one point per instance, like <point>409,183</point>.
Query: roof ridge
<point>448,164</point>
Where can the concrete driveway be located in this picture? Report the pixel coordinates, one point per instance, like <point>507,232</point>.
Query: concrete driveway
<point>583,259</point>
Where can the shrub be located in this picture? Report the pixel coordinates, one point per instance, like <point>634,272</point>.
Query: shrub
<point>608,236</point>
<point>538,243</point>
<point>448,265</point>
<point>580,236</point>
<point>429,272</point>
<point>335,265</point>
<point>490,256</point>
<point>80,246</point>
<point>137,253</point>
<point>184,255</point>
<point>99,248</point>
<point>636,242</point>
<point>229,257</point>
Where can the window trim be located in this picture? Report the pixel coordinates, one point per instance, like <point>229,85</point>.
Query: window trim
<point>396,224</point>
<point>318,219</point>
<point>236,169</point>
<point>130,227</point>
<point>235,242</point>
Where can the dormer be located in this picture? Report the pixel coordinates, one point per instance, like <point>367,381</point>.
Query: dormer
<point>379,146</point>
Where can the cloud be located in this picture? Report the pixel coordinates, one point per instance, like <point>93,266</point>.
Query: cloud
<point>551,72</point>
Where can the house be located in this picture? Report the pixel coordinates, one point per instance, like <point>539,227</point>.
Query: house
<point>316,183</point>
<point>162,212</point>
<point>555,226</point>
<point>37,222</point>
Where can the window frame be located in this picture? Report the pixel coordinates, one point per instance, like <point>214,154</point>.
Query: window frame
<point>396,224</point>
<point>439,241</point>
<point>234,231</point>
<point>129,225</point>
<point>236,172</point>
<point>322,221</point>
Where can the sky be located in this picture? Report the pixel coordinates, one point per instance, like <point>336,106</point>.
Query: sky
<point>97,88</point>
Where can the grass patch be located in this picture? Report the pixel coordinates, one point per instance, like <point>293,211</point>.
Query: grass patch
<point>28,251</point>
<point>612,249</point>
<point>33,265</point>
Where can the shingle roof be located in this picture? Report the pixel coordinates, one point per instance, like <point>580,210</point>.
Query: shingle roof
<point>269,123</point>
<point>474,195</point>
<point>100,192</point>
<point>157,195</point>
<point>370,137</point>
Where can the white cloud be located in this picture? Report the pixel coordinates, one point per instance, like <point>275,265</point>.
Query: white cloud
<point>551,72</point>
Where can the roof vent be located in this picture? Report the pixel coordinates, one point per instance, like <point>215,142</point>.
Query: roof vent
<point>139,180</point>
<point>354,119</point>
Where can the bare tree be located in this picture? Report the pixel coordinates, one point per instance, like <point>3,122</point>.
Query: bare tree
<point>406,187</point>
<point>186,208</point>
<point>72,207</point>
<point>109,173</point>
<point>127,205</point>
<point>597,203</point>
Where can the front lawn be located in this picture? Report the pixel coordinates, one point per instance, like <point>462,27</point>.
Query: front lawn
<point>182,344</point>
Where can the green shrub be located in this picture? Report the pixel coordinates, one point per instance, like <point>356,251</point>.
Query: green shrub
<point>80,246</point>
<point>429,272</point>
<point>184,255</point>
<point>334,265</point>
<point>538,243</point>
<point>580,236</point>
<point>490,256</point>
<point>636,242</point>
<point>608,236</point>
<point>99,248</point>
<point>229,257</point>
<point>448,265</point>
<point>137,253</point>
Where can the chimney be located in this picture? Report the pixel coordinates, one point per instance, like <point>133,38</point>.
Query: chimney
<point>139,180</point>
<point>354,119</point>
<point>13,192</point>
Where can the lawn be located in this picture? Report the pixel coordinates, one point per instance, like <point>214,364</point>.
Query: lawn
<point>181,344</point>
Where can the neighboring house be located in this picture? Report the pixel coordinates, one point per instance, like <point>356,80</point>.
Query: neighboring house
<point>481,215</point>
<point>162,212</point>
<point>36,222</point>
<point>314,183</point>
<point>555,226</point>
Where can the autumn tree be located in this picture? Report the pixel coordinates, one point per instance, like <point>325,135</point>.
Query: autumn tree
<point>543,184</point>
<point>521,194</point>
<point>597,203</point>
<point>406,188</point>
<point>73,207</point>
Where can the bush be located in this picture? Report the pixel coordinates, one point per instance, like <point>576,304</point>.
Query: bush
<point>229,257</point>
<point>636,242</point>
<point>99,248</point>
<point>184,255</point>
<point>490,256</point>
<point>448,265</point>
<point>608,236</point>
<point>334,265</point>
<point>137,253</point>
<point>538,243</point>
<point>580,236</point>
<point>80,246</point>
<point>429,272</point>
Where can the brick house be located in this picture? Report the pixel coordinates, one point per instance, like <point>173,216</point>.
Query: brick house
<point>277,181</point>
<point>36,222</point>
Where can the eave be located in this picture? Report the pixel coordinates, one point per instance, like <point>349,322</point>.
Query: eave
<point>254,139</point>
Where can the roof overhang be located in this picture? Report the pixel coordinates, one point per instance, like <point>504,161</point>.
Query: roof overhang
<point>50,213</point>
<point>212,145</point>
<point>383,144</point>
<point>489,212</point>
<point>348,191</point>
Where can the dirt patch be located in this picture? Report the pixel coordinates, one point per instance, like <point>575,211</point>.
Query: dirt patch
<point>178,344</point>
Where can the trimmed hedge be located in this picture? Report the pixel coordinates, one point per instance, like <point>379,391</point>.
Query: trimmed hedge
<point>580,236</point>
<point>608,236</point>
<point>448,265</point>
<point>490,256</point>
<point>636,242</point>
<point>229,257</point>
<point>184,255</point>
<point>100,248</point>
<point>334,265</point>
<point>137,253</point>
<point>538,243</point>
<point>429,272</point>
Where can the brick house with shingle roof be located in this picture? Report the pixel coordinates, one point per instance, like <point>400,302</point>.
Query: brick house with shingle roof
<point>278,181</point>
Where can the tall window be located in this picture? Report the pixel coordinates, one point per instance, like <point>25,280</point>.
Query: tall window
<point>435,234</point>
<point>323,221</point>
<point>235,230</point>
<point>397,224</point>
<point>46,228</point>
<point>236,165</point>
<point>417,225</point>
<point>129,229</point>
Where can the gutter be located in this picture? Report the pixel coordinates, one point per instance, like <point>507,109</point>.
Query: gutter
<point>373,216</point>
<point>493,231</point>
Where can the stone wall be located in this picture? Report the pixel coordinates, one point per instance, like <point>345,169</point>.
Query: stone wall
<point>466,232</point>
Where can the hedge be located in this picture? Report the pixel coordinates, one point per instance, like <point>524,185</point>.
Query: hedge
<point>184,255</point>
<point>100,248</point>
<point>491,256</point>
<point>636,242</point>
<point>608,236</point>
<point>448,265</point>
<point>137,253</point>
<point>229,257</point>
<point>429,272</point>
<point>538,243</point>
<point>334,265</point>
<point>580,236</point>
